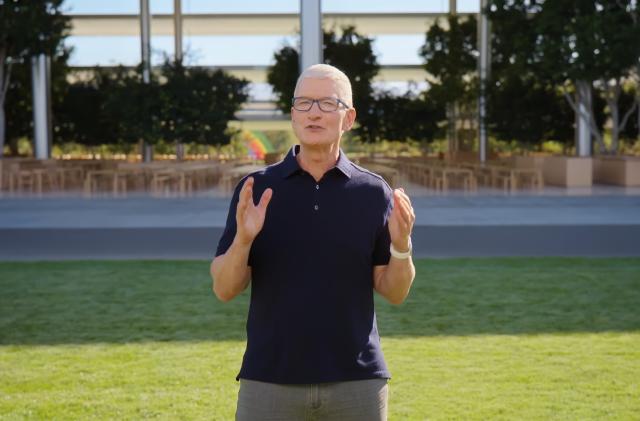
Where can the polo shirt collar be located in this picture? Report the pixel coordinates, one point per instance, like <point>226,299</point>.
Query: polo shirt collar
<point>290,163</point>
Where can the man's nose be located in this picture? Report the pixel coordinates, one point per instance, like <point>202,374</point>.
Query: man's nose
<point>315,110</point>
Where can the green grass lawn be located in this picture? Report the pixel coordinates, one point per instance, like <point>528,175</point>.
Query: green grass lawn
<point>548,338</point>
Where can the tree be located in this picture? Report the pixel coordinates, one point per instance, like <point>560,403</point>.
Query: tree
<point>627,99</point>
<point>635,17</point>
<point>408,116</point>
<point>18,106</point>
<point>82,115</point>
<point>198,103</point>
<point>350,52</point>
<point>19,39</point>
<point>522,106</point>
<point>450,57</point>
<point>353,54</point>
<point>179,104</point>
<point>582,44</point>
<point>133,107</point>
<point>526,110</point>
<point>283,75</point>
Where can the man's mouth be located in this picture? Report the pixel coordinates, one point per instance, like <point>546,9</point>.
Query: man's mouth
<point>314,127</point>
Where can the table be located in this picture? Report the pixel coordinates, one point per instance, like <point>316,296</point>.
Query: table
<point>113,178</point>
<point>232,176</point>
<point>512,178</point>
<point>444,177</point>
<point>391,175</point>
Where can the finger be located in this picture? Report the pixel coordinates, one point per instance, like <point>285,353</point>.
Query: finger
<point>246,194</point>
<point>397,205</point>
<point>405,208</point>
<point>265,199</point>
<point>409,209</point>
<point>403,194</point>
<point>401,215</point>
<point>400,196</point>
<point>403,228</point>
<point>405,212</point>
<point>405,199</point>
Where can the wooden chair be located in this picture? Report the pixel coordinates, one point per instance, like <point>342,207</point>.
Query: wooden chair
<point>21,181</point>
<point>530,178</point>
<point>505,179</point>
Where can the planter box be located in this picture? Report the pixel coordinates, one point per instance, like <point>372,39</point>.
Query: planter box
<point>618,170</point>
<point>568,171</point>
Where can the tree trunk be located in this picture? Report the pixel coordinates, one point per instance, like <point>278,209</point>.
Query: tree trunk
<point>618,124</point>
<point>587,93</point>
<point>613,93</point>
<point>452,121</point>
<point>147,154</point>
<point>180,151</point>
<point>583,93</point>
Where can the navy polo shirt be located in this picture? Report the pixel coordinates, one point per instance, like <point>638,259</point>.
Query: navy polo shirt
<point>311,316</point>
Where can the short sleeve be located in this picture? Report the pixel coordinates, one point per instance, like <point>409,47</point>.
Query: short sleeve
<point>381,253</point>
<point>230,228</point>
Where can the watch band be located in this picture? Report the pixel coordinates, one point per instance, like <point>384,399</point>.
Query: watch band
<point>401,255</point>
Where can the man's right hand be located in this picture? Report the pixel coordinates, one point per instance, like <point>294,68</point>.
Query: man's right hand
<point>249,217</point>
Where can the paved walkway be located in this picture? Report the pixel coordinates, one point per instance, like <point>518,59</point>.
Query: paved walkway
<point>144,212</point>
<point>601,222</point>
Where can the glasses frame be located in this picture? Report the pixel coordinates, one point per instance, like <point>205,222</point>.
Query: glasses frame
<point>293,101</point>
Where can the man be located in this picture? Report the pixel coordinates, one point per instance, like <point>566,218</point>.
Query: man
<point>314,248</point>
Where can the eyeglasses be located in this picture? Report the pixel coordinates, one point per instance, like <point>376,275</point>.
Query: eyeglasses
<point>327,105</point>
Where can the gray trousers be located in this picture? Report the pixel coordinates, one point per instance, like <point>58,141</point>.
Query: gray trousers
<point>352,400</point>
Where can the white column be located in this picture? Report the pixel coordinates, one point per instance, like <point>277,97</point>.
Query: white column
<point>177,37</point>
<point>177,29</point>
<point>452,135</point>
<point>311,33</point>
<point>145,50</point>
<point>40,85</point>
<point>145,40</point>
<point>484,63</point>
<point>583,128</point>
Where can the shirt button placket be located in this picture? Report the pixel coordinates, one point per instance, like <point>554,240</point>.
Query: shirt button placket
<point>316,206</point>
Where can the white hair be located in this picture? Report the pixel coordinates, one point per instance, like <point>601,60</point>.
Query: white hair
<point>326,71</point>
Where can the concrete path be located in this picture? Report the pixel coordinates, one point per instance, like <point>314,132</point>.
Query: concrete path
<point>489,224</point>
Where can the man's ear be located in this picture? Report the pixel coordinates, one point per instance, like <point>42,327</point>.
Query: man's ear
<point>349,119</point>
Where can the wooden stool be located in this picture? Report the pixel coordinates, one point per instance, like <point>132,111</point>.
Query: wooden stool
<point>505,181</point>
<point>20,179</point>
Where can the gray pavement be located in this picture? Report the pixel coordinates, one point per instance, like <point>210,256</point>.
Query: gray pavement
<point>602,222</point>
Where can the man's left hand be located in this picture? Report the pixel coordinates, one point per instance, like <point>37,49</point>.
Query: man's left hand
<point>401,220</point>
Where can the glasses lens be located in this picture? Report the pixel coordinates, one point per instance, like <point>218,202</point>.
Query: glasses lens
<point>302,104</point>
<point>328,104</point>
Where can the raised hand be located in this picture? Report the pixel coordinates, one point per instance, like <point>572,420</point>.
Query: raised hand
<point>249,217</point>
<point>401,220</point>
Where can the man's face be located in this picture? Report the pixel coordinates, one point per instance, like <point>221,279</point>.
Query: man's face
<point>316,127</point>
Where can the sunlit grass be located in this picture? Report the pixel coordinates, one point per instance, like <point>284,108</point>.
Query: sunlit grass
<point>477,339</point>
